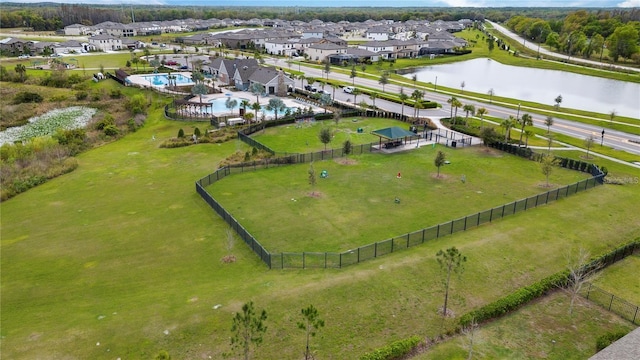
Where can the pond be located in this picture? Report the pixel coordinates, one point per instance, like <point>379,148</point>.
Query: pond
<point>538,85</point>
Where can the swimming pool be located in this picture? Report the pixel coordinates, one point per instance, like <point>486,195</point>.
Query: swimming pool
<point>162,79</point>
<point>219,106</point>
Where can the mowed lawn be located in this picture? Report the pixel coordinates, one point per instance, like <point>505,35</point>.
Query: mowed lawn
<point>622,279</point>
<point>304,137</point>
<point>121,259</point>
<point>356,204</point>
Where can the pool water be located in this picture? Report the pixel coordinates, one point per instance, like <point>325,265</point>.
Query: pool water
<point>162,79</point>
<point>219,106</point>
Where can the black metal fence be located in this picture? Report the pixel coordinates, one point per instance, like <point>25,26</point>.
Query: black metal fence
<point>612,303</point>
<point>374,250</point>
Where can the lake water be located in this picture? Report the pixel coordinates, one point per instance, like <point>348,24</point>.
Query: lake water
<point>543,86</point>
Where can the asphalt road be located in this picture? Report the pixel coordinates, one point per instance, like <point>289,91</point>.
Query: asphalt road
<point>615,139</point>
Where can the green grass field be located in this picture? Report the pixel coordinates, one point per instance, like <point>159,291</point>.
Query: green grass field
<point>621,279</point>
<point>123,252</point>
<point>355,205</point>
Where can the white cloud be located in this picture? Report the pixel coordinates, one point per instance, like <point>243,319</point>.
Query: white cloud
<point>629,4</point>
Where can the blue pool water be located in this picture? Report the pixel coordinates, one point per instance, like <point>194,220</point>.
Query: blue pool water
<point>162,79</point>
<point>219,106</point>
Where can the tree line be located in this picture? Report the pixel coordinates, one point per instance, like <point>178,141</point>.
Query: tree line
<point>584,33</point>
<point>49,17</point>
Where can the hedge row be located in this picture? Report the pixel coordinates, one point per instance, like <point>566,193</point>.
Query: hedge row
<point>394,350</point>
<point>528,293</point>
<point>514,300</point>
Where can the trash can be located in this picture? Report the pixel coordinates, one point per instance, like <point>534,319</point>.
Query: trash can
<point>453,144</point>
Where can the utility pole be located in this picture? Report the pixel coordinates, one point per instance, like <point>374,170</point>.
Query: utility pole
<point>602,138</point>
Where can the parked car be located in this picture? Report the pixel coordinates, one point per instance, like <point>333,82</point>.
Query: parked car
<point>348,89</point>
<point>23,56</point>
<point>171,63</point>
<point>324,92</point>
<point>310,88</point>
<point>184,67</point>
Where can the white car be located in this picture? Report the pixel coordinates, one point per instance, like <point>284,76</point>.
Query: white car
<point>348,89</point>
<point>23,56</point>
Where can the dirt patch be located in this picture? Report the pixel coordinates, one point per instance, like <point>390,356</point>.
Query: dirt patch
<point>547,187</point>
<point>440,177</point>
<point>346,161</point>
<point>487,151</point>
<point>315,194</point>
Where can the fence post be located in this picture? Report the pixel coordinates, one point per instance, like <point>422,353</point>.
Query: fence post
<point>515,206</point>
<point>526,202</point>
<point>634,315</point>
<point>478,223</point>
<point>465,223</point>
<point>491,215</point>
<point>408,240</point>
<point>340,261</point>
<point>423,231</point>
<point>438,232</point>
<point>547,200</point>
<point>325,260</point>
<point>303,258</point>
<point>611,302</point>
<point>358,254</point>
<point>451,232</point>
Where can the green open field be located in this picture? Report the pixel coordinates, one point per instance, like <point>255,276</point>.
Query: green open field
<point>356,206</point>
<point>123,252</point>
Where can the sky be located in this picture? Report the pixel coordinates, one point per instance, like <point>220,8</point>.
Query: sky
<point>366,3</point>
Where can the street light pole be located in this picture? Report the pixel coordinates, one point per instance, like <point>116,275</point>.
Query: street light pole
<point>602,138</point>
<point>518,114</point>
<point>435,86</point>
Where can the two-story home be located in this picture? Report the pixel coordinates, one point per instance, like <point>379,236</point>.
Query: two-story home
<point>320,51</point>
<point>105,42</point>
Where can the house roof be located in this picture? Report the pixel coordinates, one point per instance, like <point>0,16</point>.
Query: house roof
<point>627,348</point>
<point>393,132</point>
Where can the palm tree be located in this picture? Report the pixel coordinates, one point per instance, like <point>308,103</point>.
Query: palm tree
<point>507,124</point>
<point>414,78</point>
<point>353,75</point>
<point>416,95</point>
<point>526,120</point>
<point>384,79</point>
<point>276,105</point>
<point>21,70</point>
<point>482,112</point>
<point>245,104</point>
<point>469,108</point>
<point>403,97</point>
<point>333,89</point>
<point>528,134</point>
<point>373,97</point>
<point>355,94</point>
<point>455,104</point>
<point>256,107</point>
<point>548,121</point>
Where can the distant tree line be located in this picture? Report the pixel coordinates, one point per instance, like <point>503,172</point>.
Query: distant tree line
<point>48,16</point>
<point>584,33</point>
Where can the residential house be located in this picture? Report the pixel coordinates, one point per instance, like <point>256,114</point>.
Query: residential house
<point>273,80</point>
<point>14,46</point>
<point>70,47</point>
<point>379,33</point>
<point>224,69</point>
<point>76,30</point>
<point>282,47</point>
<point>318,52</point>
<point>105,43</point>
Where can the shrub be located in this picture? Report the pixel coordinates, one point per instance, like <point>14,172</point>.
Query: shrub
<point>197,132</point>
<point>608,339</point>
<point>106,121</point>
<point>394,350</point>
<point>81,95</point>
<point>247,157</point>
<point>180,133</point>
<point>27,97</point>
<point>58,98</point>
<point>111,130</point>
<point>137,104</point>
<point>115,93</point>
